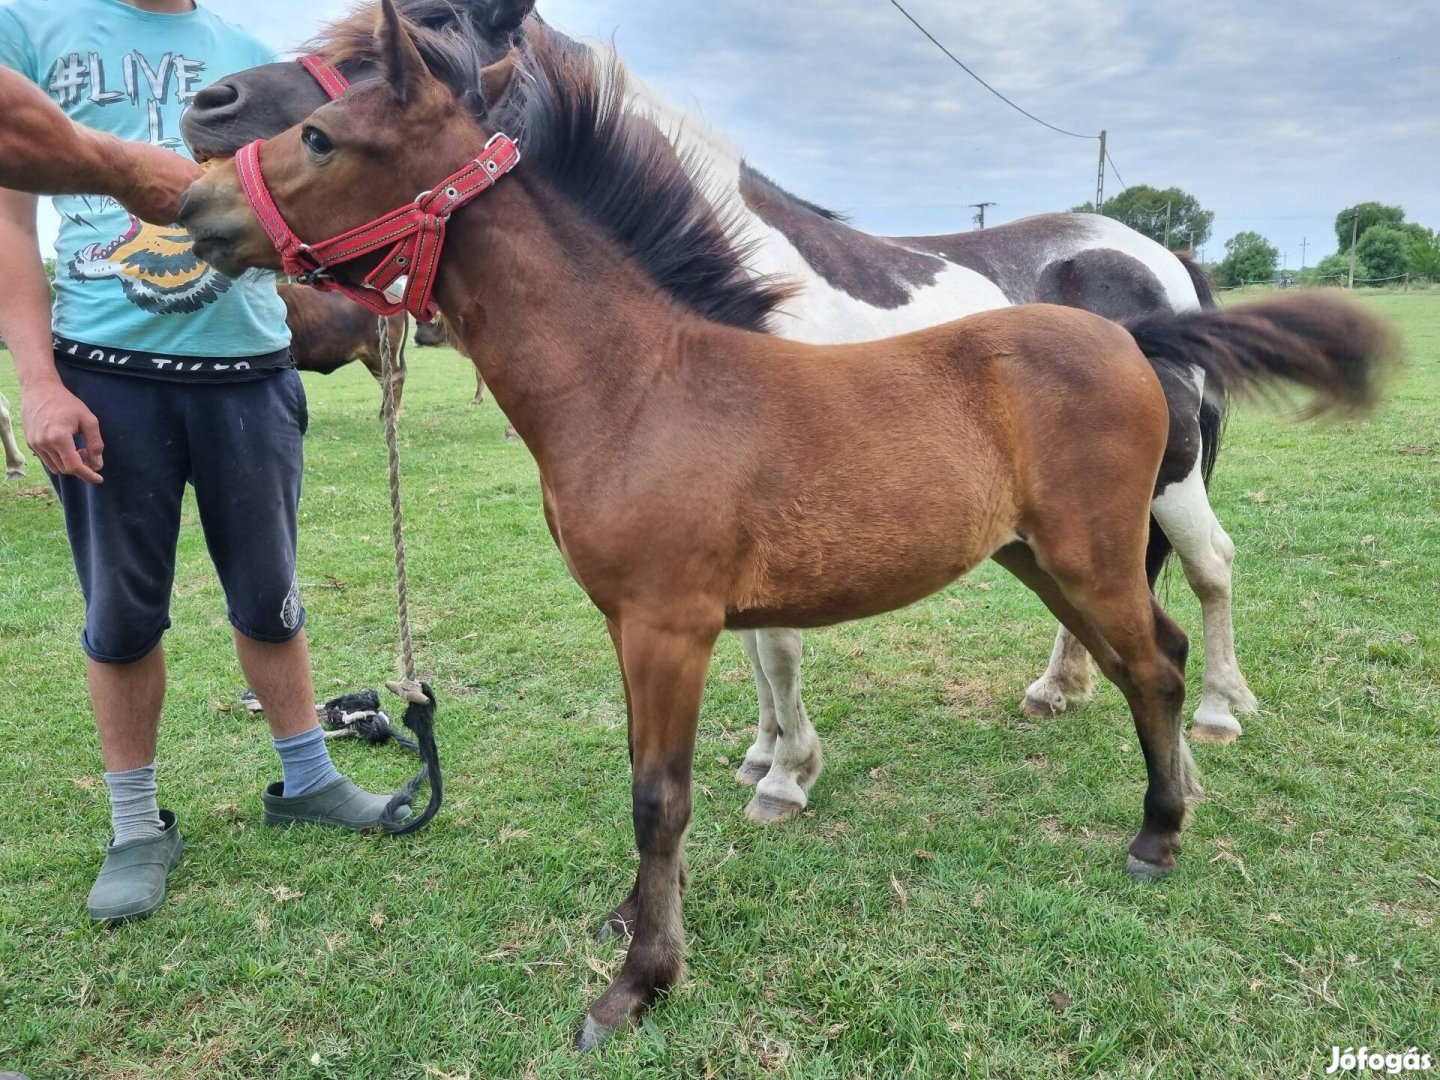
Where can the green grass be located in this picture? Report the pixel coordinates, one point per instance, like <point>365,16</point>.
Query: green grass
<point>954,903</point>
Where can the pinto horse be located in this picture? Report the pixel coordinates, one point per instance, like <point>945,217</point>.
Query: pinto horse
<point>698,473</point>
<point>857,287</point>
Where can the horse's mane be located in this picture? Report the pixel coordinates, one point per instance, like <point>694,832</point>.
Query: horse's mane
<point>569,112</point>
<point>448,33</point>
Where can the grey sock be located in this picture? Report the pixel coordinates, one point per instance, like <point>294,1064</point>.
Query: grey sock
<point>134,811</point>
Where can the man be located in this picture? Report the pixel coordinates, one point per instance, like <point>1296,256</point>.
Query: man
<point>153,370</point>
<point>43,152</point>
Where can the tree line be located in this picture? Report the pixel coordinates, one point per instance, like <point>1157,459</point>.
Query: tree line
<point>1386,246</point>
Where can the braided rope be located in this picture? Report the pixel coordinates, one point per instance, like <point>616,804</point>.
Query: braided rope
<point>409,687</point>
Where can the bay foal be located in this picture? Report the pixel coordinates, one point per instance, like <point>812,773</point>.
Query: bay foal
<point>698,474</point>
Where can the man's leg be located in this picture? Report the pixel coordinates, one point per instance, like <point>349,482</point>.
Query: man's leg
<point>247,458</point>
<point>125,562</point>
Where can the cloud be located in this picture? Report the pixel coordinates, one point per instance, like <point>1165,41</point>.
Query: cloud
<point>1274,116</point>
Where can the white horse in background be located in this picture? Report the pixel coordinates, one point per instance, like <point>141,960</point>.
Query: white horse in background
<point>14,459</point>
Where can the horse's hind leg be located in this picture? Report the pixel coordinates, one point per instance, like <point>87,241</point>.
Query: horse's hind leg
<point>784,789</point>
<point>14,459</point>
<point>1106,603</point>
<point>1207,556</point>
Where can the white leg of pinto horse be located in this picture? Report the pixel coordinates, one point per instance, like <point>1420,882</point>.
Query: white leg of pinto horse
<point>786,736</point>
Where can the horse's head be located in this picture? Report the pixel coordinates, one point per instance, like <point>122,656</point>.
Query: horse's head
<point>354,159</point>
<point>263,101</point>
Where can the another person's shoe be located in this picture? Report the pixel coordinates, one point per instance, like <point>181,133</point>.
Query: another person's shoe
<point>341,803</point>
<point>131,884</point>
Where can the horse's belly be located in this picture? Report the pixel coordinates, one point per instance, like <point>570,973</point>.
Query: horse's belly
<point>857,574</point>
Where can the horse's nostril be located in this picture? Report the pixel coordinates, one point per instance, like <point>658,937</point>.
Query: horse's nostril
<point>217,96</point>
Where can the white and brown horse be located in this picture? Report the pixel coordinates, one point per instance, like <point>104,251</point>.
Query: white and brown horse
<point>699,474</point>
<point>855,287</point>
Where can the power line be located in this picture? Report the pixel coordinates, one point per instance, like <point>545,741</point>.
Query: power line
<point>987,86</point>
<point>1123,186</point>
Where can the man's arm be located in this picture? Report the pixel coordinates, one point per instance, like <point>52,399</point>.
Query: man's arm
<point>43,151</point>
<point>51,414</point>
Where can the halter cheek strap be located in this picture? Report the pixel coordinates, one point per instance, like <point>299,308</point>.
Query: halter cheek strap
<point>414,234</point>
<point>326,74</point>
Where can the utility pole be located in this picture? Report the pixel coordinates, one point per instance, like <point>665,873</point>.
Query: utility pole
<point>1354,227</point>
<point>980,217</point>
<point>1304,243</point>
<point>1100,178</point>
<point>1167,224</point>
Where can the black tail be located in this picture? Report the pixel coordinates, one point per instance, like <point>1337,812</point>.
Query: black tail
<point>1215,405</point>
<point>1204,287</point>
<point>1331,347</point>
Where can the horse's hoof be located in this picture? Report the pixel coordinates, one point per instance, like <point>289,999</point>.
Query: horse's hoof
<point>768,810</point>
<point>1042,709</point>
<point>612,929</point>
<point>1215,729</point>
<point>14,474</point>
<point>592,1036</point>
<point>750,773</point>
<point>1141,870</point>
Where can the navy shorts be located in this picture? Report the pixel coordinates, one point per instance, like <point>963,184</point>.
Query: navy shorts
<point>239,445</point>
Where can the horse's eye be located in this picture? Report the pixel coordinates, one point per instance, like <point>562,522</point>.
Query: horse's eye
<point>317,142</point>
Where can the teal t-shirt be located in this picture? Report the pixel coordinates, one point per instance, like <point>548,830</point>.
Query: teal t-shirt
<point>120,282</point>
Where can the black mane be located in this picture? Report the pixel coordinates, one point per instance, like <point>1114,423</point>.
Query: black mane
<point>568,113</point>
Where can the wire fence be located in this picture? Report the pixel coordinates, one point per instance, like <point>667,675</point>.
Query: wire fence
<point>1290,281</point>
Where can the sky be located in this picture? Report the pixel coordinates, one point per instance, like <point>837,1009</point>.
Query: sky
<point>1275,116</point>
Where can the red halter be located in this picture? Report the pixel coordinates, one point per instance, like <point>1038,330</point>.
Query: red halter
<point>326,74</point>
<point>414,233</point>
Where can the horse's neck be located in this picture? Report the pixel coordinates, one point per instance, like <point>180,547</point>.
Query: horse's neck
<point>566,332</point>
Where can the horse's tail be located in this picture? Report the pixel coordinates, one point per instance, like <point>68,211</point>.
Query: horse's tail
<point>1214,407</point>
<point>1204,287</point>
<point>1333,348</point>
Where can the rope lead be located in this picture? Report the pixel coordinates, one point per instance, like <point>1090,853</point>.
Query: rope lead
<point>420,708</point>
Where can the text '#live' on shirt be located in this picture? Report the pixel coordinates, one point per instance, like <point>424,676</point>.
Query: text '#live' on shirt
<point>131,297</point>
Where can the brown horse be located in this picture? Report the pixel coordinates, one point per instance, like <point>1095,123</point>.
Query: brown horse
<point>698,474</point>
<point>437,332</point>
<point>328,331</point>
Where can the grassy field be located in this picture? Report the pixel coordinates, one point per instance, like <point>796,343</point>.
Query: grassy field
<point>953,904</point>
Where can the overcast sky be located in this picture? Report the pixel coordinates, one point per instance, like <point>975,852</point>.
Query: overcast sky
<point>1274,115</point>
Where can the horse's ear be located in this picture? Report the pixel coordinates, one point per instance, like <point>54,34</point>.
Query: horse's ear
<point>497,79</point>
<point>400,60</point>
<point>505,16</point>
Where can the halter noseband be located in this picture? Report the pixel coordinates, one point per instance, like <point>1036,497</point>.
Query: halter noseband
<point>414,233</point>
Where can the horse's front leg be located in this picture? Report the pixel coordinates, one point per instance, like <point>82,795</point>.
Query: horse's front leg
<point>785,788</point>
<point>761,754</point>
<point>664,660</point>
<point>1066,680</point>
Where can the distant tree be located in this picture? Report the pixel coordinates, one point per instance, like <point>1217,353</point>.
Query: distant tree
<point>1248,257</point>
<point>1422,252</point>
<point>1143,208</point>
<point>1331,270</point>
<point>1382,250</point>
<point>1371,214</point>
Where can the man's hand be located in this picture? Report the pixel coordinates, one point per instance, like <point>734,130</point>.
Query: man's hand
<point>53,417</point>
<point>42,152</point>
<point>154,180</point>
